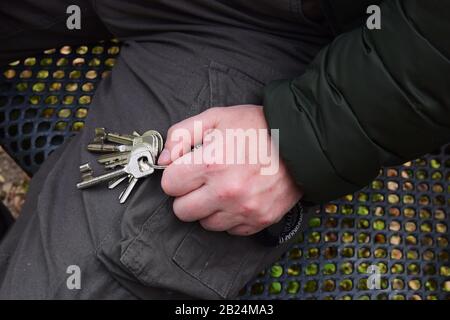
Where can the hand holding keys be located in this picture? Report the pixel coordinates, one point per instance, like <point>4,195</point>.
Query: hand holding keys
<point>132,157</point>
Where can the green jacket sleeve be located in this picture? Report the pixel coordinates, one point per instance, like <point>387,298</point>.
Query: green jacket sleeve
<point>372,98</point>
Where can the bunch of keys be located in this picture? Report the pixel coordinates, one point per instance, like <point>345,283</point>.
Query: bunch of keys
<point>130,157</point>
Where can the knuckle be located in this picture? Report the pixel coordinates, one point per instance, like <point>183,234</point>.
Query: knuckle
<point>226,193</point>
<point>171,130</point>
<point>265,220</point>
<point>231,191</point>
<point>213,113</point>
<point>249,207</point>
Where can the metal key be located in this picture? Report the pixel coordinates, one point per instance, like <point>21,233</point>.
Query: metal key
<point>156,139</point>
<point>126,193</point>
<point>118,155</point>
<point>100,135</point>
<point>133,167</point>
<point>102,178</point>
<point>114,164</point>
<point>143,166</point>
<point>104,147</point>
<point>119,138</point>
<point>86,172</point>
<point>134,154</point>
<point>114,183</point>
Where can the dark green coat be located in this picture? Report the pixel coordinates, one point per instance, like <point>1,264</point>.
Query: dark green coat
<point>372,98</point>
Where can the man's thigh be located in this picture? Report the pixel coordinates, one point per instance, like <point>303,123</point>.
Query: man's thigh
<point>62,226</point>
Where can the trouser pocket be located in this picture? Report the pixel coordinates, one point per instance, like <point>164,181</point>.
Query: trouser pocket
<point>183,257</point>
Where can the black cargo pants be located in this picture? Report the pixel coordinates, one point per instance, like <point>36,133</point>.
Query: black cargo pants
<point>178,59</point>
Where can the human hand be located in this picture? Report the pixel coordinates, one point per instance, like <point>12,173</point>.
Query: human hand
<point>241,197</point>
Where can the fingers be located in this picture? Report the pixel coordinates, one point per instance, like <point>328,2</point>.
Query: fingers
<point>183,175</point>
<point>196,205</point>
<point>220,221</point>
<point>185,134</point>
<point>243,230</point>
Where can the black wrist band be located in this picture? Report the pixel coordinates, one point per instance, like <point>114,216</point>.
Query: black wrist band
<point>284,230</point>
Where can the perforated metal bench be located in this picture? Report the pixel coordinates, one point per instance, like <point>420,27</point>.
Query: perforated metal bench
<point>399,223</point>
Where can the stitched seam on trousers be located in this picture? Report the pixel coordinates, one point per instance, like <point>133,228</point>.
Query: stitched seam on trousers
<point>185,268</point>
<point>132,253</point>
<point>139,265</point>
<point>197,106</point>
<point>233,72</point>
<point>137,242</point>
<point>95,6</point>
<point>108,236</point>
<point>239,271</point>
<point>218,70</point>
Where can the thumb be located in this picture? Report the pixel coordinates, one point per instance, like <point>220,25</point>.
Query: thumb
<point>184,135</point>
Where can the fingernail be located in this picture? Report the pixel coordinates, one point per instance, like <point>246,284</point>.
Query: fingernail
<point>164,157</point>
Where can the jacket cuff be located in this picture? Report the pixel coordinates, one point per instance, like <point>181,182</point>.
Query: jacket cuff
<point>300,148</point>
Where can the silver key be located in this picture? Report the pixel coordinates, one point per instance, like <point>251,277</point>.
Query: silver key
<point>143,166</point>
<point>100,135</point>
<point>86,172</point>
<point>104,147</point>
<point>139,157</point>
<point>114,183</point>
<point>103,178</point>
<point>133,167</point>
<point>119,153</point>
<point>135,154</point>
<point>126,193</point>
<point>113,157</point>
<point>156,141</point>
<point>158,167</point>
<point>114,164</point>
<point>119,138</point>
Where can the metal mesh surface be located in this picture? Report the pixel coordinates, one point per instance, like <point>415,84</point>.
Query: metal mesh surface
<point>399,223</point>
<point>45,99</point>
